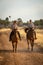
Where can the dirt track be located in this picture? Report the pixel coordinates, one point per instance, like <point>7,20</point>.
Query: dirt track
<point>23,56</point>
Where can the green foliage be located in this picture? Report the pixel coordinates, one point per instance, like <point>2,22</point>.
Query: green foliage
<point>7,19</point>
<point>4,22</point>
<point>41,21</point>
<point>20,22</point>
<point>38,22</point>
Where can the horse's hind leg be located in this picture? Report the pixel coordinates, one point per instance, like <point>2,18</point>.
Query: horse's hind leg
<point>32,44</point>
<point>28,43</point>
<point>13,46</point>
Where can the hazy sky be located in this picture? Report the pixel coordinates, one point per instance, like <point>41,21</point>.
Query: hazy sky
<point>25,9</point>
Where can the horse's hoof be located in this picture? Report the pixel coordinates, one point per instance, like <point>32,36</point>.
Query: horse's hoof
<point>20,39</point>
<point>32,49</point>
<point>13,50</point>
<point>9,40</point>
<point>28,48</point>
<point>35,38</point>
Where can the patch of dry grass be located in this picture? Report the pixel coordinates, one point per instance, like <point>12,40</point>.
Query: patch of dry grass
<point>39,33</point>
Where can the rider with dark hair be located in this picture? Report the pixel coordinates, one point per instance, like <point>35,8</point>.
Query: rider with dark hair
<point>14,29</point>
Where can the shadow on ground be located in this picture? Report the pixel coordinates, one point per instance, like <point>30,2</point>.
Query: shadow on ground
<point>22,51</point>
<point>4,51</point>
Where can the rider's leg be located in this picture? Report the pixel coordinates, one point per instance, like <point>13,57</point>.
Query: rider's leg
<point>10,35</point>
<point>19,35</point>
<point>35,35</point>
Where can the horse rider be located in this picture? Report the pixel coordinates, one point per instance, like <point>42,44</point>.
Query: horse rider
<point>32,26</point>
<point>14,28</point>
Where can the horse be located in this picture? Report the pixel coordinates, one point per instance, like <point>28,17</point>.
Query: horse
<point>29,37</point>
<point>14,40</point>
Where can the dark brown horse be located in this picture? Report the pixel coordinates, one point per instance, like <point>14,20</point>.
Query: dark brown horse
<point>14,40</point>
<point>30,37</point>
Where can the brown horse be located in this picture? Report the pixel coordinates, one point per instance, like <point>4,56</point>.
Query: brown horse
<point>14,40</point>
<point>30,37</point>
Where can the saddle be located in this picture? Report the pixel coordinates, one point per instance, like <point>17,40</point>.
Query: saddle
<point>30,34</point>
<point>15,33</point>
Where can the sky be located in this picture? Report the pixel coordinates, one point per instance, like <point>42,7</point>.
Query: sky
<point>25,9</point>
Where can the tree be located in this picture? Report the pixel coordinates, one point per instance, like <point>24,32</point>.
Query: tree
<point>7,19</point>
<point>20,22</point>
<point>38,22</point>
<point>41,21</point>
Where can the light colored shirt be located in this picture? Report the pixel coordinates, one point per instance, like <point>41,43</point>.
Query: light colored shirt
<point>31,25</point>
<point>14,26</point>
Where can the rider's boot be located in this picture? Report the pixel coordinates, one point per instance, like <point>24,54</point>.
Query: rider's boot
<point>19,35</point>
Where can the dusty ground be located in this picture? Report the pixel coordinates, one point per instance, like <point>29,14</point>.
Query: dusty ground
<point>23,55</point>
